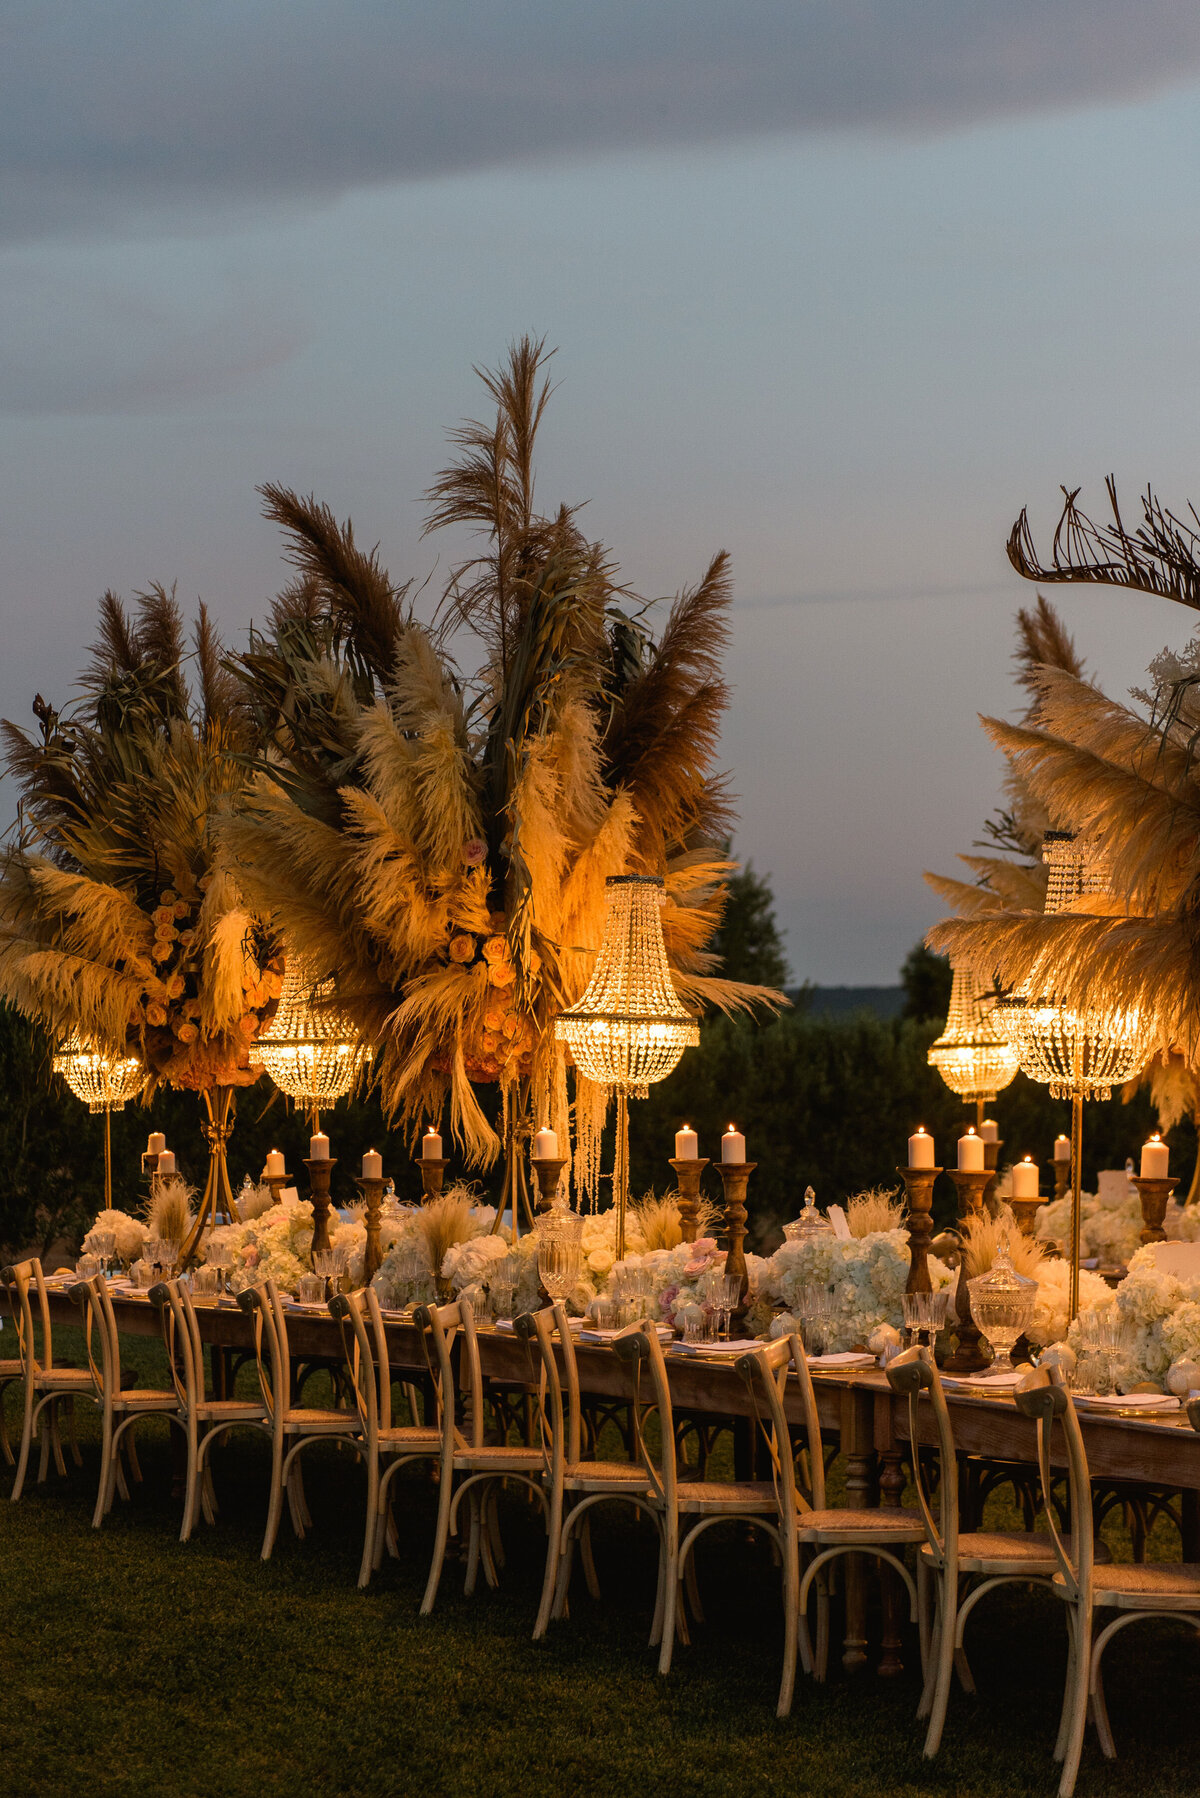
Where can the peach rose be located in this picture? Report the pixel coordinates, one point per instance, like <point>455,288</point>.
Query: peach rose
<point>462,948</point>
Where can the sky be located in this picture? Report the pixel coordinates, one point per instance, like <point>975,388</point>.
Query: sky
<point>835,285</point>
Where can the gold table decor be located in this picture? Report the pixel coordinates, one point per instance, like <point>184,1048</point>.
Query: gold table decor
<point>918,1186</point>
<point>735,1176</point>
<point>1154,1194</point>
<point>687,1175</point>
<point>319,1175</point>
<point>969,1355</point>
<point>1025,1211</point>
<point>277,1182</point>
<point>1062,1178</point>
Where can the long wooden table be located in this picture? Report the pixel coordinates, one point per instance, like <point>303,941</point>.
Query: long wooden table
<point>857,1405</point>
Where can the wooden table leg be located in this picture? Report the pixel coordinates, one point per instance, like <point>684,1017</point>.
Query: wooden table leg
<point>1189,1505</point>
<point>858,1447</point>
<point>891,1488</point>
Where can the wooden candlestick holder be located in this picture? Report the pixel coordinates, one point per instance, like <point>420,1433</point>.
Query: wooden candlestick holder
<point>991,1161</point>
<point>687,1174</point>
<point>277,1182</point>
<point>918,1186</point>
<point>433,1173</point>
<point>1062,1178</point>
<point>1025,1211</point>
<point>319,1176</point>
<point>371,1188</point>
<point>1154,1195</point>
<point>969,1355</point>
<point>547,1170</point>
<point>735,1177</point>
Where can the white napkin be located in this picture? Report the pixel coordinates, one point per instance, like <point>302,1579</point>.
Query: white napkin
<point>1128,1401</point>
<point>591,1334</point>
<point>985,1382</point>
<point>846,1358</point>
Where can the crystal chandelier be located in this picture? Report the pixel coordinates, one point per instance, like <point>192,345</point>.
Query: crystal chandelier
<point>104,1083</point>
<point>629,1029</point>
<point>310,1049</point>
<point>973,1054</point>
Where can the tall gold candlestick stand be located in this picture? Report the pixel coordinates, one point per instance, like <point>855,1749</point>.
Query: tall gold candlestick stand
<point>371,1187</point>
<point>991,1161</point>
<point>969,1355</point>
<point>277,1182</point>
<point>547,1171</point>
<point>1154,1195</point>
<point>918,1185</point>
<point>1062,1178</point>
<point>735,1177</point>
<point>688,1173</point>
<point>319,1175</point>
<point>432,1175</point>
<point>1025,1211</point>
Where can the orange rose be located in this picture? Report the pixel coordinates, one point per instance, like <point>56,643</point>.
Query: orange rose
<point>501,973</point>
<point>161,950</point>
<point>496,949</point>
<point>462,948</point>
<point>182,908</point>
<point>163,918</point>
<point>156,1014</point>
<point>176,986</point>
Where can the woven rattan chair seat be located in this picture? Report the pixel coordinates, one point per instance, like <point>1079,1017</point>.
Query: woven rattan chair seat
<point>1003,1551</point>
<point>835,1526</point>
<point>230,1410</point>
<point>498,1456</point>
<point>145,1398</point>
<point>604,1473</point>
<point>738,1495</point>
<point>1146,1586</point>
<point>313,1418</point>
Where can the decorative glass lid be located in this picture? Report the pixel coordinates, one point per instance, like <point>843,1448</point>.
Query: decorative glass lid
<point>810,1224</point>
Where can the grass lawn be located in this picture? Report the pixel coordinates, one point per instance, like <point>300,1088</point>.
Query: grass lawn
<point>135,1665</point>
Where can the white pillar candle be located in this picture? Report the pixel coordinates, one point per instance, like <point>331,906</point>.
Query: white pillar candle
<point>970,1153</point>
<point>274,1168</point>
<point>1155,1159</point>
<point>318,1147</point>
<point>372,1165</point>
<point>687,1144</point>
<point>431,1146</point>
<point>156,1142</point>
<point>1025,1179</point>
<point>545,1145</point>
<point>920,1148</point>
<point>1062,1148</point>
<point>989,1130</point>
<point>166,1161</point>
<point>733,1145</point>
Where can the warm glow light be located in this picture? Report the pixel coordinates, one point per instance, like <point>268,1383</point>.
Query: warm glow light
<point>309,1049</point>
<point>103,1082</point>
<point>973,1055</point>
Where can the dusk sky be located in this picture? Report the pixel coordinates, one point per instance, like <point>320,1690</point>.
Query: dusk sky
<point>837,286</point>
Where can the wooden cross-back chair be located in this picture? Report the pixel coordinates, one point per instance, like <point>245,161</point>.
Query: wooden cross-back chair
<point>12,1373</point>
<point>684,1510</point>
<point>481,1466</point>
<point>963,1566</point>
<point>293,1427</point>
<point>205,1419</point>
<point>386,1447</point>
<point>574,1485</point>
<point>46,1386</point>
<point>1132,1592</point>
<point>120,1407</point>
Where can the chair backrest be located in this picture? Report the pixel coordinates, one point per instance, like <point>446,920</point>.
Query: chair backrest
<point>100,1333</point>
<point>270,1346</point>
<point>558,1419</point>
<point>914,1375</point>
<point>765,1372</point>
<point>25,1283</point>
<point>439,1326</point>
<point>1047,1400</point>
<point>181,1339</point>
<point>643,1351</point>
<point>366,1356</point>
<point>1193,1411</point>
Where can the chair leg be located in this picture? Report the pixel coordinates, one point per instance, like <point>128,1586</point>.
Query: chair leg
<point>1060,1744</point>
<point>692,1586</point>
<point>671,1590</point>
<point>474,1530</point>
<point>585,1555</point>
<point>550,1576</point>
<point>107,1454</point>
<point>190,1497</point>
<point>46,1430</point>
<point>489,1537</point>
<point>371,1530</point>
<point>1080,1669</point>
<point>72,1444</point>
<point>26,1439</point>
<point>822,1626</point>
<point>1104,1734</point>
<point>441,1537</point>
<point>275,1503</point>
<point>656,1626</point>
<point>56,1437</point>
<point>791,1630</point>
<point>947,1623</point>
<point>135,1466</point>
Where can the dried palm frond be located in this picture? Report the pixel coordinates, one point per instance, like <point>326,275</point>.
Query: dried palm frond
<point>445,1221</point>
<point>1160,556</point>
<point>983,1238</point>
<point>170,1213</point>
<point>254,1201</point>
<point>879,1208</point>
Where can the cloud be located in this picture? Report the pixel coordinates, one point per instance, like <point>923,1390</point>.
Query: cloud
<point>108,110</point>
